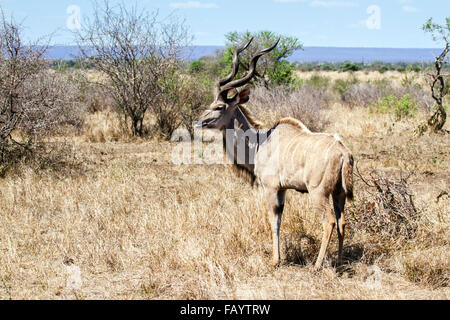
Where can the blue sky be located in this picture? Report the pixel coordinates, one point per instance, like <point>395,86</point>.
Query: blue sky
<point>339,23</point>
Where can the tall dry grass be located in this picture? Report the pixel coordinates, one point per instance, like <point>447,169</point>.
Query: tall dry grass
<point>308,103</point>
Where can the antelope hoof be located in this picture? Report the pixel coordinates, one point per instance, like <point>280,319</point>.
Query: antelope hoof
<point>276,264</point>
<point>317,268</point>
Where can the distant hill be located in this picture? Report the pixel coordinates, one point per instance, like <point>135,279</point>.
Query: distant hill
<point>309,54</point>
<point>334,54</point>
<point>71,52</point>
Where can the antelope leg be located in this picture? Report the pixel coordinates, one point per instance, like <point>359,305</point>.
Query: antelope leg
<point>275,201</point>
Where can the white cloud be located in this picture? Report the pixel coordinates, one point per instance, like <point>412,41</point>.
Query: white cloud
<point>194,5</point>
<point>333,4</point>
<point>410,9</point>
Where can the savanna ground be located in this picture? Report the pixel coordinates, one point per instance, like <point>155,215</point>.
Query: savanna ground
<point>116,219</point>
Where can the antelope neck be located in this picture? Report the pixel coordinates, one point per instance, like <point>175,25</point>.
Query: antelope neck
<point>242,140</point>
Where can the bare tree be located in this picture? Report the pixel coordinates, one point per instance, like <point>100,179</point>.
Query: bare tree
<point>18,63</point>
<point>437,78</point>
<point>135,51</point>
<point>51,100</point>
<point>33,98</point>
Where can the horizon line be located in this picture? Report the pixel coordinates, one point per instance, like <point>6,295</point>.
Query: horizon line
<point>309,46</point>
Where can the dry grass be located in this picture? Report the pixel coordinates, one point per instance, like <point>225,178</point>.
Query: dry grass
<point>104,126</point>
<point>395,77</point>
<point>128,224</point>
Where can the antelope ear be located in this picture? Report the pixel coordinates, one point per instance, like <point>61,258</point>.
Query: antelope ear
<point>244,95</point>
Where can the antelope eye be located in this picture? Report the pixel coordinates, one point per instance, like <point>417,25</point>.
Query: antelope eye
<point>220,108</point>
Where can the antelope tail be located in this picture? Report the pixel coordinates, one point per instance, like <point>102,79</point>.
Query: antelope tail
<point>347,175</point>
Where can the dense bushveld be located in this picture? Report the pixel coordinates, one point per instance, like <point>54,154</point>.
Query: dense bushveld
<point>102,214</point>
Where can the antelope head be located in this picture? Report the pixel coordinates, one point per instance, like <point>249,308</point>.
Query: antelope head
<point>230,94</point>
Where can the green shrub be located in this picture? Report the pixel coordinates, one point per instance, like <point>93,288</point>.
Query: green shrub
<point>405,107</point>
<point>416,67</point>
<point>196,66</point>
<point>341,85</point>
<point>350,66</point>
<point>384,105</point>
<point>382,69</point>
<point>382,84</point>
<point>401,107</point>
<point>305,67</point>
<point>63,65</point>
<point>318,81</point>
<point>328,67</point>
<point>282,73</point>
<point>297,83</point>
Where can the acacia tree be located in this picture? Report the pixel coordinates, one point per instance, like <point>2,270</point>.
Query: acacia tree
<point>437,78</point>
<point>273,67</point>
<point>135,51</point>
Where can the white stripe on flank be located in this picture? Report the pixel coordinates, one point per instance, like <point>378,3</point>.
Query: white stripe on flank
<point>344,186</point>
<point>331,145</point>
<point>293,155</point>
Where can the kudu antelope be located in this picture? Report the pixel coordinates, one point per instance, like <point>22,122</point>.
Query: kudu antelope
<point>287,156</point>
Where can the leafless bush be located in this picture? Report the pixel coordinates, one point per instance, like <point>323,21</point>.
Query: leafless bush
<point>33,99</point>
<point>361,94</point>
<point>365,94</point>
<point>17,64</point>
<point>305,104</point>
<point>384,209</point>
<point>94,97</point>
<point>51,101</point>
<point>135,51</point>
